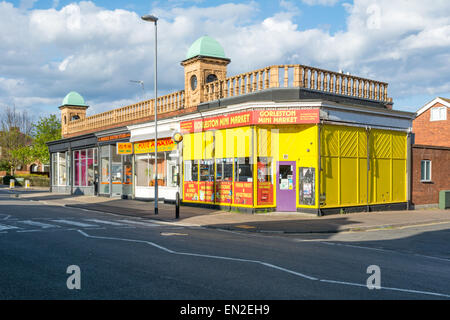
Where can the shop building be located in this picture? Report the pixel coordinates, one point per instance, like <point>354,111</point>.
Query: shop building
<point>281,138</point>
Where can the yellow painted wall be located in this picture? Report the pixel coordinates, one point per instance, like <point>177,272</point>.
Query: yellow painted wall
<point>344,164</point>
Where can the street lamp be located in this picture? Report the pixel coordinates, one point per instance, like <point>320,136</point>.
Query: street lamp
<point>142,85</point>
<point>154,19</point>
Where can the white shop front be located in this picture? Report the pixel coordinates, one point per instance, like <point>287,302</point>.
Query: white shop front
<point>168,160</point>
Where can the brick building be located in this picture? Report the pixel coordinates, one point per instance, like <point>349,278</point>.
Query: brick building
<point>281,138</point>
<point>431,153</point>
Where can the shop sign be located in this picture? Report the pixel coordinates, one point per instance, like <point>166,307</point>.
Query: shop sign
<point>243,193</point>
<point>114,137</point>
<point>190,189</point>
<point>255,117</point>
<point>164,144</point>
<point>124,148</point>
<point>224,191</point>
<point>265,193</point>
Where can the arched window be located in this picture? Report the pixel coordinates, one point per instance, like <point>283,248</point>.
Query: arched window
<point>210,78</point>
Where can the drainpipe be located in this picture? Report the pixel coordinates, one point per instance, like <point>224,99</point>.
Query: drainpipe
<point>368,167</point>
<point>408,169</point>
<point>319,167</point>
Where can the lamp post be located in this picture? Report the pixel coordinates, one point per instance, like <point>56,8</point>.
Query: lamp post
<point>154,19</point>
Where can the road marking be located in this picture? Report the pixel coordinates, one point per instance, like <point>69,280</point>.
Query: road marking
<point>75,223</point>
<point>7,217</point>
<point>4,227</point>
<point>147,224</point>
<point>105,222</point>
<point>39,224</point>
<point>173,234</point>
<point>269,265</point>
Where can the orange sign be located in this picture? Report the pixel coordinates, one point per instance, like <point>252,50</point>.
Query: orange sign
<point>114,137</point>
<point>243,193</point>
<point>164,144</point>
<point>124,148</point>
<point>256,117</point>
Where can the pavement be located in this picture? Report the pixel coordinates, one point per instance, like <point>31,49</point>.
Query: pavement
<point>274,222</point>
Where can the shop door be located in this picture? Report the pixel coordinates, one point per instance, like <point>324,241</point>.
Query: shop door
<point>286,186</point>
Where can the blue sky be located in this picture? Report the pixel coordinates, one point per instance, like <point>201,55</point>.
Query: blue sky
<point>49,47</point>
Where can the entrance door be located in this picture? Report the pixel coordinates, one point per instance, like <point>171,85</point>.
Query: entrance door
<point>286,186</point>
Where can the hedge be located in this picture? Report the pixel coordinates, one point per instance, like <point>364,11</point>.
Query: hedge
<point>35,180</point>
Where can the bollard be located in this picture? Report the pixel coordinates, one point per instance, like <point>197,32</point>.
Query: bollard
<point>27,184</point>
<point>177,206</point>
<point>12,183</point>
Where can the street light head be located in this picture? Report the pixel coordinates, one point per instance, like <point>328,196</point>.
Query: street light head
<point>150,18</point>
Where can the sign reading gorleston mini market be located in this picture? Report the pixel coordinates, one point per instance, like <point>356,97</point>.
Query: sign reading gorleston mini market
<point>253,117</point>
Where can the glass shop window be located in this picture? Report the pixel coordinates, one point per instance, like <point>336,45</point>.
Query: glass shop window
<point>224,169</point>
<point>207,170</point>
<point>191,170</point>
<point>243,170</point>
<point>264,169</point>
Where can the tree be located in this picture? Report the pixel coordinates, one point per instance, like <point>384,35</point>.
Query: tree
<point>46,129</point>
<point>15,138</point>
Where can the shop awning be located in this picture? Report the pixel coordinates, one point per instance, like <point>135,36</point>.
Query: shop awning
<point>151,135</point>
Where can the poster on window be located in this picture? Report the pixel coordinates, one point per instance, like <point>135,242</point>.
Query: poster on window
<point>190,191</point>
<point>265,193</point>
<point>206,191</point>
<point>224,192</point>
<point>243,193</point>
<point>307,191</point>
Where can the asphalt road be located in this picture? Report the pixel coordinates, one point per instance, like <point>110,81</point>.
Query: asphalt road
<point>130,258</point>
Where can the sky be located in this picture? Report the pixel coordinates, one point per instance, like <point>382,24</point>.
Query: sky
<point>51,47</point>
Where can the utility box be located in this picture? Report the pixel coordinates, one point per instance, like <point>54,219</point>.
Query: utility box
<point>444,199</point>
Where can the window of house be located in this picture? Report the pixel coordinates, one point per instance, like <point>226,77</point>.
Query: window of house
<point>425,170</point>
<point>438,113</point>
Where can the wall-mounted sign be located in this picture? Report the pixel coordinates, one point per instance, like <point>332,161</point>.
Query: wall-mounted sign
<point>114,137</point>
<point>164,144</point>
<point>255,117</point>
<point>124,148</point>
<point>177,137</point>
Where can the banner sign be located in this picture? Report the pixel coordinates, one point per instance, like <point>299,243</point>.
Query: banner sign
<point>243,193</point>
<point>114,137</point>
<point>164,144</point>
<point>190,189</point>
<point>255,117</point>
<point>124,148</point>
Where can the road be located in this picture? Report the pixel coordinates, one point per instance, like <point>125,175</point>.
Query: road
<point>130,258</point>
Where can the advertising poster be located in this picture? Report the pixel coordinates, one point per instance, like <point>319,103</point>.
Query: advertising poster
<point>206,191</point>
<point>265,193</point>
<point>190,191</point>
<point>224,192</point>
<point>243,193</point>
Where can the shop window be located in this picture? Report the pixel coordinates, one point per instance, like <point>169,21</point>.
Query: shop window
<point>207,170</point>
<point>191,170</point>
<point>425,170</point>
<point>84,168</point>
<point>243,170</point>
<point>142,170</point>
<point>264,169</point>
<point>307,190</point>
<point>224,170</point>
<point>62,168</point>
<point>161,161</point>
<point>104,165</point>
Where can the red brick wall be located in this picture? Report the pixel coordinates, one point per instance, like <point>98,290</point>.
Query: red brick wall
<point>434,133</point>
<point>428,192</point>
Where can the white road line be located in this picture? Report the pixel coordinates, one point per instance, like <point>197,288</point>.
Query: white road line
<point>39,224</point>
<point>147,224</point>
<point>7,217</point>
<point>262,263</point>
<point>75,223</point>
<point>3,227</point>
<point>105,222</point>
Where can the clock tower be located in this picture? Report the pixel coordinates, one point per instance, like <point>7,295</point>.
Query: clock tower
<point>205,62</point>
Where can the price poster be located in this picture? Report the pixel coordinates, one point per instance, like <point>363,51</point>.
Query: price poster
<point>243,193</point>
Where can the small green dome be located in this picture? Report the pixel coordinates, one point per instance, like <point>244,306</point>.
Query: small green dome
<point>74,99</point>
<point>206,46</point>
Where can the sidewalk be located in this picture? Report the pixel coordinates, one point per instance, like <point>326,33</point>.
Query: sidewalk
<point>266,222</point>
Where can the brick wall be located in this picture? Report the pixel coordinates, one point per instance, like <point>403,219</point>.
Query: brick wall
<point>434,133</point>
<point>428,192</point>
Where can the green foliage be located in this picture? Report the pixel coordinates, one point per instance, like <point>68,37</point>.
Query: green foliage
<point>46,129</point>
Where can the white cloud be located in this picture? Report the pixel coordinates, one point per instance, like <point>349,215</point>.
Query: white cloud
<point>46,53</point>
<point>320,2</point>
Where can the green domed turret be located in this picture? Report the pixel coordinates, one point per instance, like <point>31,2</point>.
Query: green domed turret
<point>73,99</point>
<point>206,47</point>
